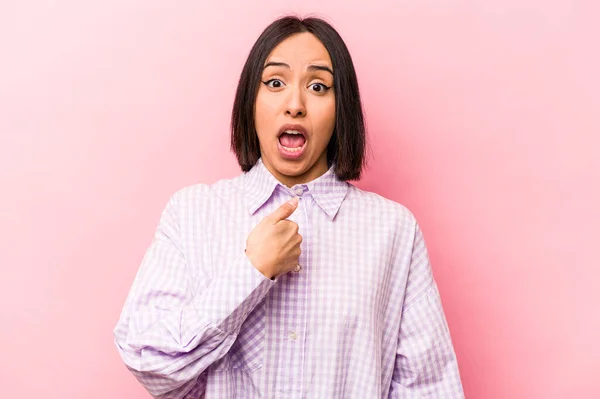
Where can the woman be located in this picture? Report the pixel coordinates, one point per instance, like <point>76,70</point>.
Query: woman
<point>287,281</point>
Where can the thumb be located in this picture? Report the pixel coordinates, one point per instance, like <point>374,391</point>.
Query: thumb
<point>284,211</point>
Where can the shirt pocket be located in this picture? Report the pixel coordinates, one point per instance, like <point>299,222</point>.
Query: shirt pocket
<point>247,352</point>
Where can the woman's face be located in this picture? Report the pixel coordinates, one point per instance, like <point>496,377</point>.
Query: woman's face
<point>294,114</point>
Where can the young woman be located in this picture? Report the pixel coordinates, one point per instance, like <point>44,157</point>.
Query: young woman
<point>287,281</point>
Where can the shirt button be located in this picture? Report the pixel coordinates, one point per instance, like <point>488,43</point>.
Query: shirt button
<point>293,335</point>
<point>298,190</point>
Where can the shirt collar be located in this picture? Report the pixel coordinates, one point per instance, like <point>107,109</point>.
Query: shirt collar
<point>327,190</point>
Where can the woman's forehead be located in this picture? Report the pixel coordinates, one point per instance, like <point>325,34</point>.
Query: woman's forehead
<point>300,49</point>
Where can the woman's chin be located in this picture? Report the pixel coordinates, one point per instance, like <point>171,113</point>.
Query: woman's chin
<point>291,169</point>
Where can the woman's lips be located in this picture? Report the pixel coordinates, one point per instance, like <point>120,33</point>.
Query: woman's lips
<point>291,153</point>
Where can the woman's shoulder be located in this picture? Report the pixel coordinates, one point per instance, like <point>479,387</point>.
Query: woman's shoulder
<point>199,193</point>
<point>376,202</point>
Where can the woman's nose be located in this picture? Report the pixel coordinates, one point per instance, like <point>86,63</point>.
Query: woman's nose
<point>295,106</point>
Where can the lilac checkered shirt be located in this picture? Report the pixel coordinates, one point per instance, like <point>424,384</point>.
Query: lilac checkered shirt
<point>363,318</point>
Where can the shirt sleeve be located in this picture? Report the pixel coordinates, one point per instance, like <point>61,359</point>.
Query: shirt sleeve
<point>169,332</point>
<point>426,365</point>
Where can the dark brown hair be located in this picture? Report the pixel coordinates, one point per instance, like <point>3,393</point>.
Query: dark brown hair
<point>347,146</point>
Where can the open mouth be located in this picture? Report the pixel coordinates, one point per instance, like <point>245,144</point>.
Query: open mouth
<point>292,141</point>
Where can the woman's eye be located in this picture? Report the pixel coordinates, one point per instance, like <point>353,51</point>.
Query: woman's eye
<point>274,83</point>
<point>319,87</point>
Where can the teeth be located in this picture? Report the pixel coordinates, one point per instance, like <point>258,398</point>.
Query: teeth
<point>292,132</point>
<point>292,149</point>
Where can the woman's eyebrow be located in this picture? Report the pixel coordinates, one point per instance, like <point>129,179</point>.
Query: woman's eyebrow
<point>320,68</point>
<point>311,67</point>
<point>276,64</point>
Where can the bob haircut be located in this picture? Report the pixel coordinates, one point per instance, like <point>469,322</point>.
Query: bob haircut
<point>347,146</point>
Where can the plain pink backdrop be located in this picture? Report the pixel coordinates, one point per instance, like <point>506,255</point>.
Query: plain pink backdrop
<point>483,119</point>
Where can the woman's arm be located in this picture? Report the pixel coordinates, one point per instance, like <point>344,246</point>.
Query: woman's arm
<point>168,334</point>
<point>426,365</point>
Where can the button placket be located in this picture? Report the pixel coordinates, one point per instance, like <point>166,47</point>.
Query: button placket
<point>294,337</point>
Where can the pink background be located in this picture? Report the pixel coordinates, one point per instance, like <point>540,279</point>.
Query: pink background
<point>483,119</point>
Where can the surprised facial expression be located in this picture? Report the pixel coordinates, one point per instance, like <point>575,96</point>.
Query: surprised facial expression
<point>294,113</point>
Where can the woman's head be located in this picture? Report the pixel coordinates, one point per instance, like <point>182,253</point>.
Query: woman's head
<point>297,104</point>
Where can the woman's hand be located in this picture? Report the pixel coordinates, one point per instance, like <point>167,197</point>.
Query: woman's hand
<point>273,247</point>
